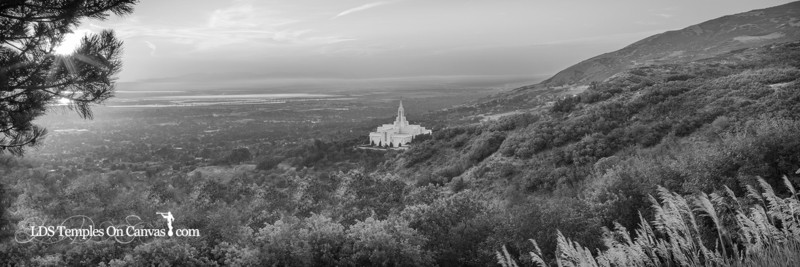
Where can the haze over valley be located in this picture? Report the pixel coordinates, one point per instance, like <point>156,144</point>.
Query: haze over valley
<point>399,133</point>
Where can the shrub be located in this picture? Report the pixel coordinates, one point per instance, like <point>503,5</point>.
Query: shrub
<point>516,121</point>
<point>239,155</point>
<point>764,232</point>
<point>165,252</point>
<point>389,242</point>
<point>418,154</point>
<point>678,77</point>
<point>566,104</point>
<point>268,163</point>
<point>485,147</point>
<point>452,170</point>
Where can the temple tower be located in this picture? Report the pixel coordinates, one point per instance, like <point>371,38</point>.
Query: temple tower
<point>398,134</point>
<point>400,122</point>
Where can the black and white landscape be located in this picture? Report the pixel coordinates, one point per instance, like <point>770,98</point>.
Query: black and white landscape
<point>271,133</point>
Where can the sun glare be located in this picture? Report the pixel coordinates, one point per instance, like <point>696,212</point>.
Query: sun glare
<point>71,42</point>
<point>64,101</point>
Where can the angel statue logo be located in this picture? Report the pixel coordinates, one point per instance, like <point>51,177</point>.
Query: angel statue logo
<point>167,215</point>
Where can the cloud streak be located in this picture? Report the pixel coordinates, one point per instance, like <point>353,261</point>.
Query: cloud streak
<point>152,47</point>
<point>208,38</point>
<point>235,25</point>
<point>362,8</point>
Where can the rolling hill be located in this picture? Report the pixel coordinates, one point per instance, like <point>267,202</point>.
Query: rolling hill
<point>597,155</point>
<point>714,37</point>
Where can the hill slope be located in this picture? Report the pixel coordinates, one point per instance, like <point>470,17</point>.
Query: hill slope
<point>712,38</point>
<point>688,127</point>
<point>744,30</point>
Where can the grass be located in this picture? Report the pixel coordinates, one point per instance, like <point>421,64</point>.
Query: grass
<point>718,229</point>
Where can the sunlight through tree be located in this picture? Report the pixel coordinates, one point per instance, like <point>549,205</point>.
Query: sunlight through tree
<point>44,62</point>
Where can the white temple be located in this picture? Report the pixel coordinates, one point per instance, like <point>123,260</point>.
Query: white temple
<point>398,134</point>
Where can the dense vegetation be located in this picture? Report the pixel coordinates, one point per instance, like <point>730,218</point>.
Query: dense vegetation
<point>766,234</point>
<point>689,128</point>
<point>590,161</point>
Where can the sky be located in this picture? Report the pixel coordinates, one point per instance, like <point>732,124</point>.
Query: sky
<point>225,44</point>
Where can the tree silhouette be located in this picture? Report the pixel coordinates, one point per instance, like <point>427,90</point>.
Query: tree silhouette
<point>34,78</point>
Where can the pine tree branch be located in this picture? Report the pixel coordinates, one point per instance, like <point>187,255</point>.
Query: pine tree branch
<point>29,32</point>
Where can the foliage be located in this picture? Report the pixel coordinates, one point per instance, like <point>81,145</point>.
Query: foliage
<point>33,77</point>
<point>268,163</point>
<point>458,197</point>
<point>162,253</point>
<point>485,147</point>
<point>741,235</point>
<point>239,155</point>
<point>318,241</point>
<point>456,227</point>
<point>387,243</point>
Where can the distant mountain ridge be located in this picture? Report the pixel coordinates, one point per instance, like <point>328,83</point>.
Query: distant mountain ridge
<point>714,37</point>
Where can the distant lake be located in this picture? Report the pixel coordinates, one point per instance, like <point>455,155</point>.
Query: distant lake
<point>70,130</point>
<point>250,96</point>
<point>192,100</point>
<point>147,92</point>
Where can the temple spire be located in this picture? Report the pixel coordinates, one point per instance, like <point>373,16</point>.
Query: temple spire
<point>400,121</point>
<point>398,134</point>
<point>401,112</point>
<point>401,115</point>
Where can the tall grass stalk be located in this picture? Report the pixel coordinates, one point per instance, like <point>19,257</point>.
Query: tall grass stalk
<point>766,233</point>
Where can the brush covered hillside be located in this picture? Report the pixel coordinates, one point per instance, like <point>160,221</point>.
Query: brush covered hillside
<point>457,197</point>
<point>705,40</point>
<point>562,174</point>
<point>749,29</point>
<point>594,158</point>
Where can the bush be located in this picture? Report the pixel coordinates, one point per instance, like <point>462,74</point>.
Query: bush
<point>565,104</point>
<point>452,170</point>
<point>388,243</point>
<point>512,122</point>
<point>268,163</point>
<point>418,154</point>
<point>485,146</point>
<point>166,252</point>
<point>678,77</point>
<point>239,155</point>
<point>456,227</point>
<point>758,234</point>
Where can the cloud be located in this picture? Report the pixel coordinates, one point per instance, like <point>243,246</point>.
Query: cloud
<point>152,47</point>
<point>210,38</point>
<point>239,24</point>
<point>362,8</point>
<point>235,16</point>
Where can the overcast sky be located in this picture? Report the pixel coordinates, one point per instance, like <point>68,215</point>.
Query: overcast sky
<point>233,40</point>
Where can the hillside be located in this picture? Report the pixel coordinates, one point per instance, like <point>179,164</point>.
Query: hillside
<point>705,40</point>
<point>744,30</point>
<point>596,156</point>
<point>689,150</point>
<point>457,197</point>
<point>636,109</point>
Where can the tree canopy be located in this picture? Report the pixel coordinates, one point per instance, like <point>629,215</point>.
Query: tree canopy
<point>33,77</point>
